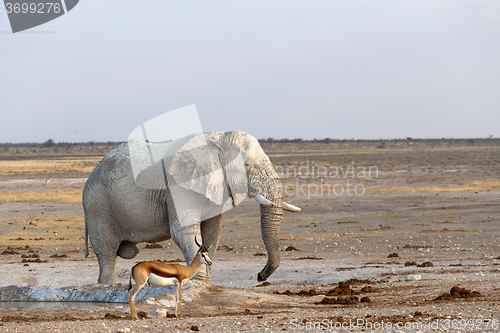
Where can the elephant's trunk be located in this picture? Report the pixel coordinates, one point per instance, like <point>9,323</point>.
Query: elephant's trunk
<point>270,224</point>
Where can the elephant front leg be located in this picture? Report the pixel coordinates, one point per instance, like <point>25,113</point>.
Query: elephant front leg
<point>210,232</point>
<point>184,238</point>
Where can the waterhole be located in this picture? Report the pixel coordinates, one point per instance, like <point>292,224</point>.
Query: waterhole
<point>51,304</point>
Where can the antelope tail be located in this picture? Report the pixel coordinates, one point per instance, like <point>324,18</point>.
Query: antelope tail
<point>130,280</point>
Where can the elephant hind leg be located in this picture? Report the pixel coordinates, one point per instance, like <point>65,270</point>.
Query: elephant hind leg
<point>107,268</point>
<point>127,250</point>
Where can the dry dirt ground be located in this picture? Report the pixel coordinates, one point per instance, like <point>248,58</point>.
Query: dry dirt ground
<point>399,251</point>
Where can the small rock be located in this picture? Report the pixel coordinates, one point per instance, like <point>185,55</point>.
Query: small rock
<point>122,330</point>
<point>112,316</point>
<point>142,315</point>
<point>426,264</point>
<point>153,246</point>
<point>413,277</point>
<point>9,252</point>
<point>348,300</point>
<point>158,313</point>
<point>367,289</point>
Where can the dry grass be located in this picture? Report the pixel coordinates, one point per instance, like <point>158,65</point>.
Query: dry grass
<point>401,213</point>
<point>14,151</point>
<point>48,166</point>
<point>314,189</point>
<point>38,230</point>
<point>394,156</point>
<point>65,196</point>
<point>75,196</point>
<point>474,186</point>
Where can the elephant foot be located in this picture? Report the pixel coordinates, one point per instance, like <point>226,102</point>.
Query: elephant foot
<point>106,270</point>
<point>203,275</point>
<point>202,279</point>
<point>106,279</point>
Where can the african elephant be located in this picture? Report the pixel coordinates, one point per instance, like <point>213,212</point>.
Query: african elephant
<point>120,212</point>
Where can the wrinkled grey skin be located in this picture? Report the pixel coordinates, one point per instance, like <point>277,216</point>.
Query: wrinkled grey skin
<point>119,214</point>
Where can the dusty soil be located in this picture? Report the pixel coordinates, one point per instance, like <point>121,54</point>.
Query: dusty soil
<point>374,238</point>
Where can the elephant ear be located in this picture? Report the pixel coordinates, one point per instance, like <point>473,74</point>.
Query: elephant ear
<point>196,166</point>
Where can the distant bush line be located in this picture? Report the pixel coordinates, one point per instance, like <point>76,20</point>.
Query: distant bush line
<point>464,141</point>
<point>50,143</point>
<point>460,141</point>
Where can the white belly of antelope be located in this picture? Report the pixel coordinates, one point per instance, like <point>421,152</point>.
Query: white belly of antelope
<point>159,281</point>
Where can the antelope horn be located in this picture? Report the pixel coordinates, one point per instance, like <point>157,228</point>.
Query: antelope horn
<point>263,201</point>
<point>196,241</point>
<point>290,208</point>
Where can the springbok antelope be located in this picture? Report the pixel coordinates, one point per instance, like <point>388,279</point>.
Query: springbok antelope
<point>159,274</point>
<point>48,180</point>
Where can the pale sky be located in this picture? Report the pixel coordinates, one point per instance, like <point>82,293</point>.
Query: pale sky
<point>283,69</point>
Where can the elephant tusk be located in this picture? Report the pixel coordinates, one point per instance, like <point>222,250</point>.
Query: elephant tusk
<point>290,208</point>
<point>263,201</point>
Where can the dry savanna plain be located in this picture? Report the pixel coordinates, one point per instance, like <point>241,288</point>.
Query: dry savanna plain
<point>396,236</point>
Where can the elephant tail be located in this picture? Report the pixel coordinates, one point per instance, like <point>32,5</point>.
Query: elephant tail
<point>86,241</point>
